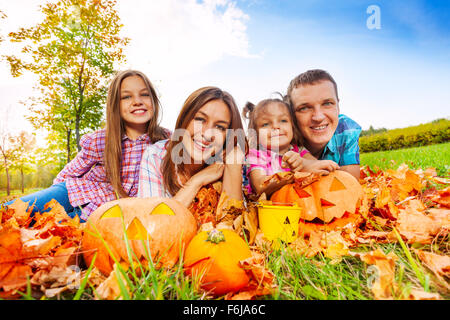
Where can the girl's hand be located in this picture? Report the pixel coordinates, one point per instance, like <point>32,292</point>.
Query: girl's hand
<point>292,160</point>
<point>209,174</point>
<point>320,166</point>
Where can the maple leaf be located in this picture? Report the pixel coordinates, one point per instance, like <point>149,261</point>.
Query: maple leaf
<point>416,226</point>
<point>443,197</point>
<point>278,177</point>
<point>40,253</point>
<point>205,203</point>
<point>20,211</point>
<point>439,264</point>
<point>109,289</point>
<point>416,294</point>
<point>261,279</point>
<point>384,285</point>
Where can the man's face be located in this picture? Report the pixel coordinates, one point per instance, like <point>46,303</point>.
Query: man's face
<point>316,108</point>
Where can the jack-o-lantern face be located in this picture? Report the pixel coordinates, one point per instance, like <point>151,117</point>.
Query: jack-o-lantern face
<point>326,199</point>
<point>157,225</point>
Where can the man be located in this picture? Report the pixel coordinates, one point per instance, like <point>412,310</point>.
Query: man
<point>328,135</point>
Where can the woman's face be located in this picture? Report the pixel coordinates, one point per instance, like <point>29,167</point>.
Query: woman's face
<point>206,133</point>
<point>136,108</point>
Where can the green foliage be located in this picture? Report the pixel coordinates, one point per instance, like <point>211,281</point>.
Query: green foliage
<point>372,131</point>
<point>74,52</point>
<point>415,136</point>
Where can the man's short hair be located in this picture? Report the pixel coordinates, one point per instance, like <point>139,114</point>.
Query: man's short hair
<point>310,77</point>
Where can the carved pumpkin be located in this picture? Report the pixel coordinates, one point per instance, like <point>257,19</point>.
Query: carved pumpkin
<point>160,226</point>
<point>214,257</point>
<point>326,199</point>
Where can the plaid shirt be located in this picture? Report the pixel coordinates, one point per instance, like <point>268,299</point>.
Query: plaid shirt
<point>150,176</point>
<point>343,148</point>
<point>85,176</point>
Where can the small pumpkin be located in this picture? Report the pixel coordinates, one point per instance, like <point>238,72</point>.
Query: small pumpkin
<point>162,226</point>
<point>326,199</point>
<point>214,257</point>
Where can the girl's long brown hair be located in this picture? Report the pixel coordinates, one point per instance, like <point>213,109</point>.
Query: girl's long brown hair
<point>193,103</point>
<point>115,128</point>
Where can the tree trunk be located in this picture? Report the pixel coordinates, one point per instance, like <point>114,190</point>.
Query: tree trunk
<point>21,174</point>
<point>69,131</point>
<point>8,191</point>
<point>77,131</point>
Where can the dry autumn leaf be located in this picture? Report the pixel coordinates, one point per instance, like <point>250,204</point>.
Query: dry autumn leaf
<point>40,254</point>
<point>383,285</point>
<point>437,263</point>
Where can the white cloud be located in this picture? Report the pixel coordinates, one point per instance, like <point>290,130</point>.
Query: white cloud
<point>171,41</point>
<point>172,38</point>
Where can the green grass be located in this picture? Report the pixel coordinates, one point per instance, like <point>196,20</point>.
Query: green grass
<point>436,156</point>
<point>16,193</point>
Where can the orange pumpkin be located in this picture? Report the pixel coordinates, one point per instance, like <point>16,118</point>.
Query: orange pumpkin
<point>326,199</point>
<point>160,226</point>
<point>214,257</point>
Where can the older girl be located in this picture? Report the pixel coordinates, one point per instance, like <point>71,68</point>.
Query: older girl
<point>199,152</point>
<point>108,162</point>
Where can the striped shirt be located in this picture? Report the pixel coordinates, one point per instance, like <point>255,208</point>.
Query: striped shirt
<point>343,148</point>
<point>85,175</point>
<point>150,176</point>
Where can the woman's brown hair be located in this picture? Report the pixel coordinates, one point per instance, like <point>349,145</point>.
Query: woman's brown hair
<point>191,106</point>
<point>115,127</point>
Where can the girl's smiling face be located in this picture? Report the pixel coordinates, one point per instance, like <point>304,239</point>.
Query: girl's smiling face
<point>274,126</point>
<point>206,133</point>
<point>136,108</point>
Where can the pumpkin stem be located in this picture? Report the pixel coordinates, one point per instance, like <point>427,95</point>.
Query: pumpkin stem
<point>215,236</point>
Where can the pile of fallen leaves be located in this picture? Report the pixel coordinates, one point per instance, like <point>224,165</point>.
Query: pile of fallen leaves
<point>41,252</point>
<point>400,205</point>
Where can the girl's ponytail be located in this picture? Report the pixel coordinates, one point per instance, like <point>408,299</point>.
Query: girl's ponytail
<point>248,109</point>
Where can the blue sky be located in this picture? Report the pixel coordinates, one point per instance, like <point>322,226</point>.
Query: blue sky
<point>390,77</point>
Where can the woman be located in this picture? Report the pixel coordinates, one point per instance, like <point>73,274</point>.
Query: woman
<point>200,151</point>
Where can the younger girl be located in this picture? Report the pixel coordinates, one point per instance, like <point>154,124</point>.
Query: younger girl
<point>273,147</point>
<point>108,162</point>
<point>199,152</point>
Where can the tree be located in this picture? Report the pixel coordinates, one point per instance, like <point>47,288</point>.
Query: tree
<point>22,147</point>
<point>5,146</point>
<point>6,153</point>
<point>74,52</point>
<point>2,16</point>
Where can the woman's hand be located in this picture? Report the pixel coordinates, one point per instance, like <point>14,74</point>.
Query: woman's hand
<point>190,189</point>
<point>209,174</point>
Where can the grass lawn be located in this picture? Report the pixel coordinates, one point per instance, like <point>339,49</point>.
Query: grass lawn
<point>16,194</point>
<point>437,156</point>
